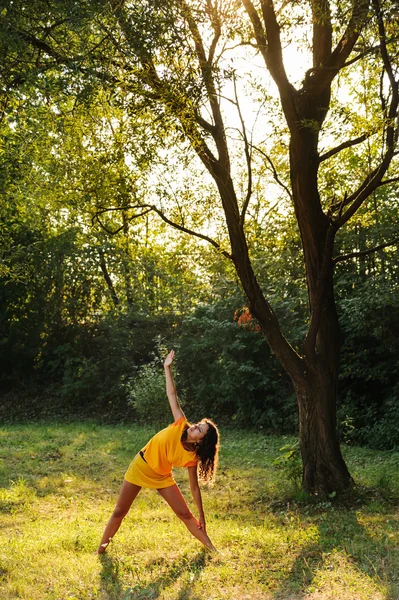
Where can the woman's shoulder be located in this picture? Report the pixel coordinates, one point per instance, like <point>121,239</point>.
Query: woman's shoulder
<point>180,421</point>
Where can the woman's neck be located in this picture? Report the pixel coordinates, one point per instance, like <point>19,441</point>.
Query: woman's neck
<point>189,446</point>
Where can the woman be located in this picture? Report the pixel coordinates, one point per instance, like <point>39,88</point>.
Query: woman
<point>178,445</point>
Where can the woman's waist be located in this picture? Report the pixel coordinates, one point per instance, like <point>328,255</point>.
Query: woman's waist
<point>163,465</point>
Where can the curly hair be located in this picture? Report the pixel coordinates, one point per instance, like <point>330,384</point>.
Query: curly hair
<point>207,452</point>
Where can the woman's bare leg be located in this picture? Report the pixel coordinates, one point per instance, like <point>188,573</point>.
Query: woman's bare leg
<point>174,498</point>
<point>127,494</point>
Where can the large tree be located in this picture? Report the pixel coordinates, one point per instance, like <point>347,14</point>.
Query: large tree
<point>169,64</point>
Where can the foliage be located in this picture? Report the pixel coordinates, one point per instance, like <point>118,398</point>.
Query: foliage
<point>228,373</point>
<point>368,381</point>
<point>83,370</point>
<point>146,393</point>
<point>290,463</point>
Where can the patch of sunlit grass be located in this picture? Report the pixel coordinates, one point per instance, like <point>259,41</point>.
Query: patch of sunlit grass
<point>59,485</point>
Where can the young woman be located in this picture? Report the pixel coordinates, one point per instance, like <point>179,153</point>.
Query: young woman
<point>179,445</point>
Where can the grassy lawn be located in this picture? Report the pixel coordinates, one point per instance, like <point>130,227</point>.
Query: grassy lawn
<point>58,488</point>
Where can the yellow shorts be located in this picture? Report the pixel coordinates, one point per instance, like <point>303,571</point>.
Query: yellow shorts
<point>140,473</point>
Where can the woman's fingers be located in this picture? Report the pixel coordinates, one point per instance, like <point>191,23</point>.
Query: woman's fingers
<point>201,525</point>
<point>169,358</point>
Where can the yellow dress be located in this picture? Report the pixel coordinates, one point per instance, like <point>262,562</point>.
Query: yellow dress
<point>163,452</point>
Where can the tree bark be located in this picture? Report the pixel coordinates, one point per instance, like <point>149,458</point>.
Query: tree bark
<point>324,469</point>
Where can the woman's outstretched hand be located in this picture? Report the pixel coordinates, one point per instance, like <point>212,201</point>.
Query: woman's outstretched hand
<point>169,359</point>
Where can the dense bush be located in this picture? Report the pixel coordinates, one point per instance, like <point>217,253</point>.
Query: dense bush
<point>82,370</point>
<point>227,372</point>
<point>65,350</point>
<point>369,390</point>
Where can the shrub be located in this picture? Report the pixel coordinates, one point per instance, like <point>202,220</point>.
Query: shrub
<point>146,393</point>
<point>368,390</point>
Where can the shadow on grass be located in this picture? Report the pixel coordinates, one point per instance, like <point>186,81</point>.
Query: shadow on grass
<point>110,577</point>
<point>183,567</point>
<point>342,533</point>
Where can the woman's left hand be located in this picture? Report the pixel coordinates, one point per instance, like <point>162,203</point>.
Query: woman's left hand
<point>169,359</point>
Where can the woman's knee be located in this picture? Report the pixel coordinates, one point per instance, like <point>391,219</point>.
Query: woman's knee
<point>120,512</point>
<point>127,495</point>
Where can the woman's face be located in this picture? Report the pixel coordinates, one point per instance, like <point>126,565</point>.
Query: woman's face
<point>196,432</point>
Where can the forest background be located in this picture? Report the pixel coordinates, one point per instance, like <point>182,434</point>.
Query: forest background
<point>92,293</point>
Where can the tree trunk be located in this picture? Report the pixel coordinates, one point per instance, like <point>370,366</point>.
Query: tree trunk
<point>315,384</point>
<point>324,469</point>
<point>314,374</point>
<point>315,379</point>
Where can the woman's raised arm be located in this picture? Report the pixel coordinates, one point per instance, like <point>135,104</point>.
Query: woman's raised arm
<point>171,388</point>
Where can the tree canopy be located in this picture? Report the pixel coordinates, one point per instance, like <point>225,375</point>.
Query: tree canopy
<point>267,132</point>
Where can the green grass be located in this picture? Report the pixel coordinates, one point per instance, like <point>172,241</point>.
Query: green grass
<point>58,488</point>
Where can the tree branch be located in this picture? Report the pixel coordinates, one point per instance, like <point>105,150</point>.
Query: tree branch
<point>383,47</point>
<point>247,156</point>
<point>322,77</point>
<point>216,24</point>
<point>343,257</point>
<point>162,92</point>
<point>369,51</point>
<point>388,181</point>
<point>96,217</point>
<point>392,131</point>
<point>274,53</point>
<point>205,124</point>
<point>267,36</point>
<point>375,178</point>
<point>191,232</point>
<point>274,171</point>
<point>62,59</point>
<point>205,65</point>
<point>347,144</point>
<point>361,55</point>
<point>151,208</point>
<point>41,45</point>
<point>322,32</point>
<point>188,116</point>
<point>260,34</point>
<point>369,185</point>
